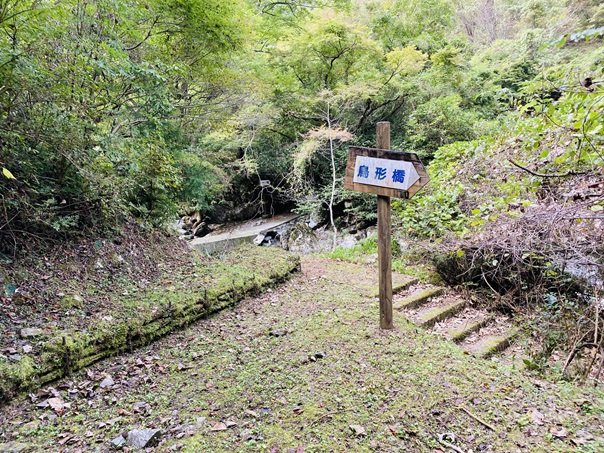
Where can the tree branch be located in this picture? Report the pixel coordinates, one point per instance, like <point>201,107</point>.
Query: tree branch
<point>544,175</point>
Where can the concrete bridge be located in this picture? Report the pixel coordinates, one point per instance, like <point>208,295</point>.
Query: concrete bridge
<point>231,234</point>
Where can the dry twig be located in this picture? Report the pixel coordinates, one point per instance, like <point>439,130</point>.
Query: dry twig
<point>478,419</point>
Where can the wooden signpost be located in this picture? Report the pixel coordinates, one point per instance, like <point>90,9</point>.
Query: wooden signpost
<point>388,174</point>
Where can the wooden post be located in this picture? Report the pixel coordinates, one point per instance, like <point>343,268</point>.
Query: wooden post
<point>384,239</point>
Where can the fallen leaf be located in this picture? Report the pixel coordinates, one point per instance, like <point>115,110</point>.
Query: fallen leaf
<point>64,437</point>
<point>57,404</point>
<point>537,417</point>
<point>558,432</point>
<point>358,430</point>
<point>7,174</point>
<point>582,437</point>
<point>218,427</point>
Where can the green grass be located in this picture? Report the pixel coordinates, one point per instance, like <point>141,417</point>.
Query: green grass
<point>401,263</point>
<point>404,387</point>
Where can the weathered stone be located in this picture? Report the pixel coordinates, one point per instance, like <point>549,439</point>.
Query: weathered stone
<point>143,438</point>
<point>313,224</point>
<point>14,447</point>
<point>118,442</point>
<point>278,332</point>
<point>107,382</point>
<point>246,434</point>
<point>30,427</point>
<point>140,406</point>
<point>258,240</point>
<point>29,332</point>
<point>418,298</point>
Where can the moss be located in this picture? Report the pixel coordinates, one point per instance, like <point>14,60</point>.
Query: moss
<point>70,302</point>
<point>158,313</point>
<point>417,299</point>
<point>16,376</point>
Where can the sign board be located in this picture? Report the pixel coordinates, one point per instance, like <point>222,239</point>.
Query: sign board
<point>384,172</point>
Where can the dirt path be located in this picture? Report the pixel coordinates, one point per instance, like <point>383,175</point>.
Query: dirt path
<point>304,368</point>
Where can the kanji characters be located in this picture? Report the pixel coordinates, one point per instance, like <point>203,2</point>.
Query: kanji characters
<point>398,176</point>
<point>380,173</point>
<point>363,171</point>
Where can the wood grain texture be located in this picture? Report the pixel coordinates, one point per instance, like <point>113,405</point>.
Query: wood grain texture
<point>384,239</point>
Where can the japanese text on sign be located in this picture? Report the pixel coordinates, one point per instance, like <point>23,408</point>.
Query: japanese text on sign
<point>385,173</point>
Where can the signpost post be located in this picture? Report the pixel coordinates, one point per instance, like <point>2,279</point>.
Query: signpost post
<point>388,174</point>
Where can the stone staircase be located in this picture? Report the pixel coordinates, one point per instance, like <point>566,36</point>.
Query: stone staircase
<point>477,332</point>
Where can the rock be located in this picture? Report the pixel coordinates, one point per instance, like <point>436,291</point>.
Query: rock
<point>302,239</point>
<point>140,407</point>
<point>118,442</point>
<point>107,382</point>
<point>14,447</point>
<point>258,240</point>
<point>15,357</point>
<point>201,230</point>
<point>30,427</point>
<point>347,242</point>
<point>143,438</point>
<point>312,224</point>
<point>320,355</point>
<point>74,301</point>
<point>29,332</point>
<point>246,434</point>
<point>278,333</point>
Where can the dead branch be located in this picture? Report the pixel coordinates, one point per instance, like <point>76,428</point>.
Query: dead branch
<point>544,175</point>
<point>475,417</point>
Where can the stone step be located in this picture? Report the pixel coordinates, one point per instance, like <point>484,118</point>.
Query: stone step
<point>428,317</point>
<point>418,298</point>
<point>400,283</point>
<point>459,328</point>
<point>490,344</point>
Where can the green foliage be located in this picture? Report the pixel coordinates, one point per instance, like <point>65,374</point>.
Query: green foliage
<point>438,122</point>
<point>367,246</point>
<point>110,109</point>
<point>95,104</point>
